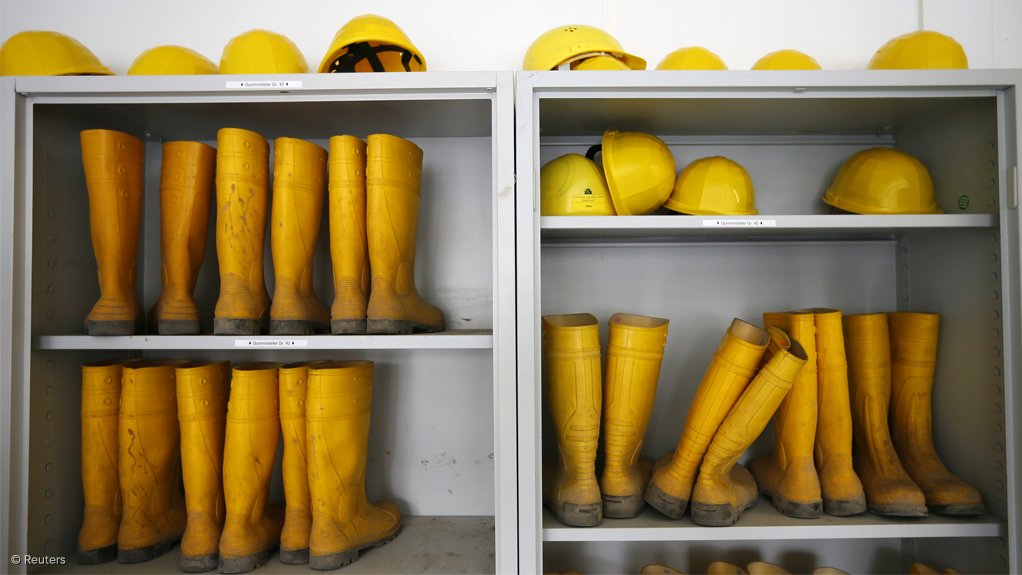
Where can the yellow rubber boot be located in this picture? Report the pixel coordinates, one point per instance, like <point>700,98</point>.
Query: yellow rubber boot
<point>393,176</point>
<point>841,488</point>
<point>764,568</point>
<point>299,177</point>
<point>349,250</point>
<point>294,392</point>
<point>889,489</point>
<point>149,467</point>
<point>722,568</point>
<point>113,174</point>
<point>657,569</point>
<point>344,521</point>
<point>788,475</point>
<point>241,199</point>
<point>913,361</point>
<point>186,186</point>
<point>571,350</point>
<point>252,528</point>
<point>724,489</point>
<point>101,396</point>
<point>635,350</point>
<point>734,363</point>
<point>202,416</point>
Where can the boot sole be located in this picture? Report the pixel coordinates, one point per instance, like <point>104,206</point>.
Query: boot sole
<point>578,514</point>
<point>142,554</point>
<point>227,326</point>
<point>899,510</point>
<point>812,510</point>
<point>119,327</point>
<point>97,556</point>
<point>198,563</point>
<point>667,504</point>
<point>348,326</point>
<point>246,563</point>
<point>296,327</point>
<point>623,506</point>
<point>294,556</point>
<point>399,326</point>
<point>717,515</point>
<point>967,510</point>
<point>347,557</point>
<point>177,327</point>
<point>845,507</point>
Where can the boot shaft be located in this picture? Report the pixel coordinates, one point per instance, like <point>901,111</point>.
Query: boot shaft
<point>914,338</point>
<point>101,393</point>
<point>186,188</point>
<point>113,164</point>
<point>299,177</point>
<point>393,176</point>
<point>571,348</point>
<point>796,417</point>
<point>349,248</point>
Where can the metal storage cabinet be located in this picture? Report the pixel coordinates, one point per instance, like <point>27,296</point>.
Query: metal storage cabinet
<point>443,428</point>
<point>791,131</point>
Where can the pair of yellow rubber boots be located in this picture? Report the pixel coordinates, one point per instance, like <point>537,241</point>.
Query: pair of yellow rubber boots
<point>751,372</point>
<point>578,398</point>
<point>373,214</point>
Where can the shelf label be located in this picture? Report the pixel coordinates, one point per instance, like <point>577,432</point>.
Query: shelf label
<point>277,342</point>
<point>263,84</point>
<point>740,223</point>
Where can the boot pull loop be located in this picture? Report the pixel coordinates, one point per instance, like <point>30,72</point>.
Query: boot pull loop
<point>593,150</point>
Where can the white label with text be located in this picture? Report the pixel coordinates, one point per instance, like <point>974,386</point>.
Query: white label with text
<point>742,223</point>
<point>263,84</point>
<point>271,343</point>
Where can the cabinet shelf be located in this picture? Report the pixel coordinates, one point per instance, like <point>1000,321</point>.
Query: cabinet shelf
<point>459,339</point>
<point>764,523</point>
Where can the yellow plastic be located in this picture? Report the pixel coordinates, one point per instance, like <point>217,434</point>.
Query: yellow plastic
<point>601,62</point>
<point>635,350</point>
<point>639,169</point>
<point>299,181</point>
<point>657,569</point>
<point>786,60</point>
<point>713,186</point>
<point>113,175</point>
<point>393,178</point>
<point>734,364</point>
<point>882,181</point>
<point>365,38</point>
<point>242,199</point>
<point>572,185</point>
<point>171,61</point>
<point>565,44</point>
<point>828,571</point>
<point>45,53</point>
<point>889,489</point>
<point>202,417</point>
<point>262,52</point>
<point>923,49</point>
<point>186,186</point>
<point>344,521</point>
<point>349,250</point>
<point>723,568</point>
<point>913,363</point>
<point>692,58</point>
<point>571,351</point>
<point>763,568</point>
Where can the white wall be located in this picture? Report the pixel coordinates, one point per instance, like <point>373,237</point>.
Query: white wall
<point>491,35</point>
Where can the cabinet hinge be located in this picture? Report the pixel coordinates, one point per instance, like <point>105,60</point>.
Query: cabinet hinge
<point>1013,192</point>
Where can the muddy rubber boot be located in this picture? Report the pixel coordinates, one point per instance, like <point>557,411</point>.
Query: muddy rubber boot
<point>889,489</point>
<point>635,350</point>
<point>724,488</point>
<point>344,521</point>
<point>186,186</point>
<point>913,362</point>
<point>202,416</point>
<point>299,177</point>
<point>393,178</point>
<point>571,351</point>
<point>252,528</point>
<point>349,249</point>
<point>841,488</point>
<point>153,516</point>
<point>101,397</point>
<point>242,202</point>
<point>294,391</point>
<point>788,476</point>
<point>722,568</point>
<point>113,175</point>
<point>733,366</point>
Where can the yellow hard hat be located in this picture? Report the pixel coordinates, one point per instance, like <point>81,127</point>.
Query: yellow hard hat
<point>44,53</point>
<point>920,50</point>
<point>371,43</point>
<point>691,58</point>
<point>786,60</point>
<point>262,52</point>
<point>566,44</point>
<point>882,181</point>
<point>572,185</point>
<point>713,186</point>
<point>601,62</point>
<point>171,61</point>
<point>639,169</point>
